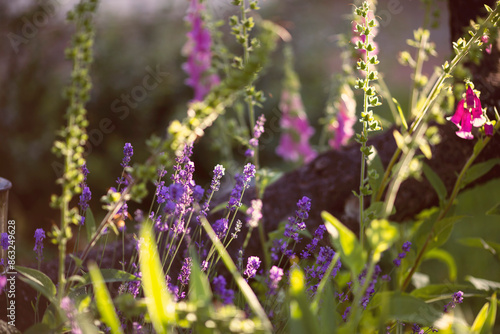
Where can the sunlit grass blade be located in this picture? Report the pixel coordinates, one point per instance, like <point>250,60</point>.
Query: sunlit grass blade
<point>160,305</point>
<point>103,300</point>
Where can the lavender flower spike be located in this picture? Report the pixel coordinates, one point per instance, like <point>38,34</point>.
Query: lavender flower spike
<point>39,236</point>
<point>128,152</point>
<point>252,265</point>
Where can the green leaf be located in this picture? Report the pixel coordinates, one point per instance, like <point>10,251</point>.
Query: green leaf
<point>199,286</point>
<point>446,258</point>
<point>494,211</point>
<point>381,235</point>
<point>375,164</point>
<point>435,182</point>
<point>38,281</point>
<point>346,243</point>
<point>483,284</point>
<point>478,170</point>
<point>103,300</point>
<point>489,246</point>
<point>489,322</point>
<point>401,114</point>
<point>89,224</point>
<point>302,318</point>
<point>480,320</point>
<point>161,307</point>
<point>442,231</point>
<point>405,308</point>
<point>437,292</point>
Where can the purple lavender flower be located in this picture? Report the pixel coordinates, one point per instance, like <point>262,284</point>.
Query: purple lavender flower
<point>406,248</point>
<point>85,172</point>
<point>220,227</point>
<point>198,193</point>
<point>39,236</point>
<point>346,313</point>
<point>416,329</point>
<point>252,265</point>
<point>4,240</point>
<point>185,271</point>
<point>198,50</point>
<point>226,295</point>
<point>316,272</point>
<point>275,276</point>
<point>458,298</point>
<point>85,197</point>
<point>134,286</point>
<point>70,311</point>
<point>128,152</point>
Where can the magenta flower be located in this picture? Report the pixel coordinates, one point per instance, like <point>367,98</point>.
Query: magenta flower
<point>468,114</point>
<point>294,141</point>
<point>488,129</point>
<point>198,51</point>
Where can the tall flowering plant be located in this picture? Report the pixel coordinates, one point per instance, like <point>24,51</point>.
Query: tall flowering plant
<point>296,132</point>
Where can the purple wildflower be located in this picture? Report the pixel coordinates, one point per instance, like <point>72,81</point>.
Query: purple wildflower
<point>39,236</point>
<point>406,248</point>
<point>218,174</point>
<point>220,227</point>
<point>70,311</point>
<point>85,172</point>
<point>252,265</point>
<point>185,271</point>
<point>198,193</point>
<point>311,247</point>
<point>254,213</point>
<point>226,295</point>
<point>257,132</point>
<point>317,271</point>
<point>416,329</point>
<point>85,197</point>
<point>294,140</point>
<point>275,276</point>
<point>198,50</point>
<point>128,152</point>
<point>346,313</point>
<point>4,240</point>
<point>458,298</point>
<point>342,127</point>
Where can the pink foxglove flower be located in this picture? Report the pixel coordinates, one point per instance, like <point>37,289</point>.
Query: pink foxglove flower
<point>468,114</point>
<point>198,51</point>
<point>294,141</point>
<point>341,127</point>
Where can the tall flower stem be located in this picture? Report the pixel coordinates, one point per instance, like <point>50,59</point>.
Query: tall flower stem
<point>447,207</point>
<point>462,49</point>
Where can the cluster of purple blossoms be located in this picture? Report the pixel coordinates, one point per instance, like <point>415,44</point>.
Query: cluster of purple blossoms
<point>468,114</point>
<point>219,171</point>
<point>275,276</point>
<point>220,227</point>
<point>311,247</point>
<point>86,194</point>
<point>199,54</point>
<point>292,228</point>
<point>370,290</point>
<point>416,329</point>
<point>342,126</point>
<point>258,130</point>
<point>316,272</point>
<point>128,152</point>
<point>242,183</point>
<point>4,240</point>
<point>458,298</point>
<point>406,248</point>
<point>185,271</point>
<point>39,236</point>
<point>219,288</point>
<point>253,264</point>
<point>294,141</point>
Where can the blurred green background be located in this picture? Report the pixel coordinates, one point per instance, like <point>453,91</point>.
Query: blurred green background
<point>131,41</point>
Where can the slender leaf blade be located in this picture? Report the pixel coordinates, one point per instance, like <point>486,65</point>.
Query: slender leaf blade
<point>38,281</point>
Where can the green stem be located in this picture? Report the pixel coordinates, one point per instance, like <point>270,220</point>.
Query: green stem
<point>446,209</point>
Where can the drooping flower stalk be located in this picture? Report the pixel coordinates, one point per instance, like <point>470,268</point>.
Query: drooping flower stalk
<point>469,114</point>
